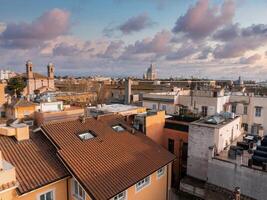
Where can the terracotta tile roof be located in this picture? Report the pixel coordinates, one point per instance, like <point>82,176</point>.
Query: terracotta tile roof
<point>35,76</point>
<point>112,161</point>
<point>35,161</point>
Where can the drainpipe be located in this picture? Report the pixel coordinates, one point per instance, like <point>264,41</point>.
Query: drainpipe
<point>167,189</point>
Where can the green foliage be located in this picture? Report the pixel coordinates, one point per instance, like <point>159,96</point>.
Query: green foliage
<point>16,85</point>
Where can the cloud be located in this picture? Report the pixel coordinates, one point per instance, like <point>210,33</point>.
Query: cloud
<point>49,25</point>
<point>248,38</point>
<point>186,50</point>
<point>250,60</point>
<point>201,20</point>
<point>113,49</point>
<point>2,27</point>
<point>158,45</point>
<point>133,24</point>
<point>227,33</point>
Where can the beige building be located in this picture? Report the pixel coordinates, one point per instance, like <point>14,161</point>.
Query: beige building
<point>252,109</point>
<point>200,102</point>
<point>37,82</point>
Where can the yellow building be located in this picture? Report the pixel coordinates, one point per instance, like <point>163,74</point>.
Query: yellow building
<point>90,158</point>
<point>2,99</point>
<point>20,109</point>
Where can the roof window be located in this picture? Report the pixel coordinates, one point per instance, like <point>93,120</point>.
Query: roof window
<point>87,135</point>
<point>118,128</point>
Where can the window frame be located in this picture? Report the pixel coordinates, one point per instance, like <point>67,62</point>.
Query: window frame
<point>44,193</point>
<point>89,132</point>
<point>245,110</point>
<point>161,172</point>
<point>143,185</point>
<point>124,198</point>
<point>77,196</point>
<point>258,111</point>
<point>154,106</point>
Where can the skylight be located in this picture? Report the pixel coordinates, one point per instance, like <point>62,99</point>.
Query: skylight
<point>86,136</point>
<point>118,128</point>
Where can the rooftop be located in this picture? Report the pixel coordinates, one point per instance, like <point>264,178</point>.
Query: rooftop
<point>35,161</point>
<point>114,108</point>
<point>216,121</point>
<point>109,162</point>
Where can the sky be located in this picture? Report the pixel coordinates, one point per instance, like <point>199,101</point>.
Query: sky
<point>220,39</point>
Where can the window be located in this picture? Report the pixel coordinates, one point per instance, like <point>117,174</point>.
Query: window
<point>245,110</point>
<point>78,191</point>
<point>86,136</point>
<point>245,126</point>
<point>164,107</point>
<point>204,111</point>
<point>233,108</point>
<point>171,145</point>
<point>258,111</point>
<point>47,196</point>
<point>121,196</point>
<point>154,107</point>
<point>160,172</point>
<point>118,128</point>
<point>141,184</point>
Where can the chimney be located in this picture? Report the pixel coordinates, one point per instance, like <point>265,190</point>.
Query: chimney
<point>237,193</point>
<point>82,119</point>
<point>128,91</point>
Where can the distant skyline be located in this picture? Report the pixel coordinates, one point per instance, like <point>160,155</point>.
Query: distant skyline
<point>205,38</point>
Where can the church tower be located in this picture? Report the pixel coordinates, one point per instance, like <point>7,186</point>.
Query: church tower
<point>50,70</point>
<point>29,71</point>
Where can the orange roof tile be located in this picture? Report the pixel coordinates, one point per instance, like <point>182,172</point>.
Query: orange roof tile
<point>35,161</point>
<point>109,163</point>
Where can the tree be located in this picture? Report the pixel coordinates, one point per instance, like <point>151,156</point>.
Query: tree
<point>16,85</point>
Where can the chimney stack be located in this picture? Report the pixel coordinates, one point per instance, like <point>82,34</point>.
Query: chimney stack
<point>128,91</point>
<point>237,193</point>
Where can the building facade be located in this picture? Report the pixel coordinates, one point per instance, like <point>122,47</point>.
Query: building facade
<point>37,83</point>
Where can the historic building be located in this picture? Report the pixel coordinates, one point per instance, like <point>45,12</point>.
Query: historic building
<point>37,82</point>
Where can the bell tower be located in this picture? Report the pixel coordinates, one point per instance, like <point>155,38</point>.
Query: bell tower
<point>29,71</point>
<point>50,70</point>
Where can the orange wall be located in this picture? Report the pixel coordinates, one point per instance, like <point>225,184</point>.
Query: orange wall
<point>155,125</point>
<point>19,112</point>
<point>2,94</point>
<point>59,187</point>
<point>157,190</point>
<point>179,138</point>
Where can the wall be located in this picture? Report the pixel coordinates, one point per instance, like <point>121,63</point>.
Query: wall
<point>20,112</point>
<point>154,126</point>
<point>202,137</point>
<point>170,107</point>
<point>157,190</point>
<point>229,175</point>
<point>59,187</point>
<point>43,117</point>
<point>179,138</point>
<point>199,140</point>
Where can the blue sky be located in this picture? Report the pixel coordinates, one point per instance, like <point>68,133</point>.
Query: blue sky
<point>115,37</point>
